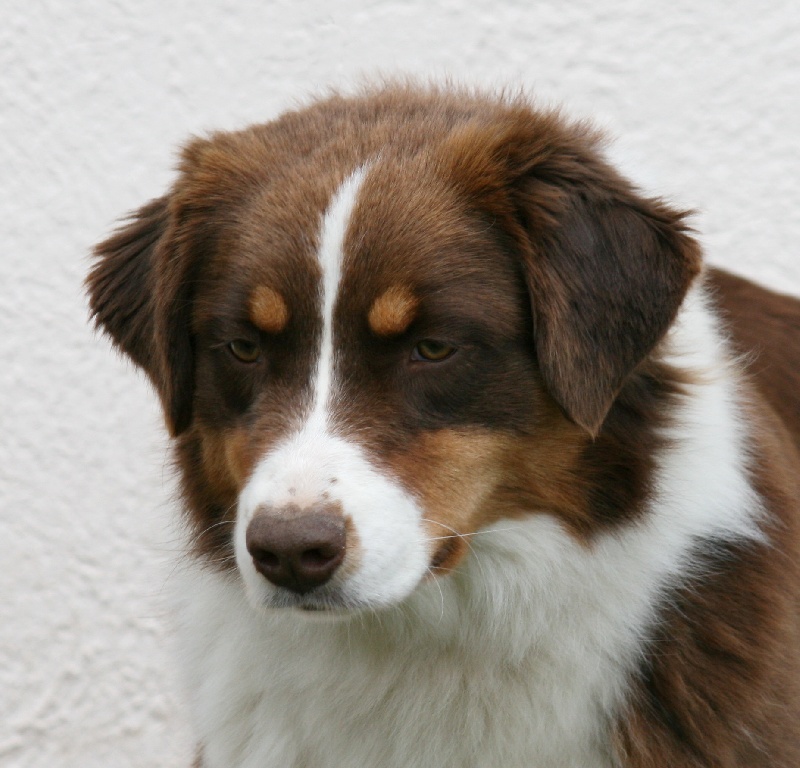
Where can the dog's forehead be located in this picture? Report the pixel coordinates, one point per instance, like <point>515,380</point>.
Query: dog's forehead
<point>403,231</point>
<point>407,220</point>
<point>412,239</point>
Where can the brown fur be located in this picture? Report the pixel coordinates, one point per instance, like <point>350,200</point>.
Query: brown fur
<point>766,327</point>
<point>518,244</point>
<point>721,685</point>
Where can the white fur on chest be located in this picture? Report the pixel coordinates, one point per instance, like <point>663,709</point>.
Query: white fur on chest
<point>428,685</point>
<point>519,659</point>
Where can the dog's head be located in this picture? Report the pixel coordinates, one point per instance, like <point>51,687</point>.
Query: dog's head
<point>380,324</point>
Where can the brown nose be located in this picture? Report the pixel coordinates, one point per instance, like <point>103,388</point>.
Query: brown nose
<point>298,551</point>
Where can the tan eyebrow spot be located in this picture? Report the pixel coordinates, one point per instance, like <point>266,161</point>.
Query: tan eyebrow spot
<point>268,310</point>
<point>393,311</point>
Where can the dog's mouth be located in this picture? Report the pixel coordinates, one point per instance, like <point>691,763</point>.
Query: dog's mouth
<point>323,601</point>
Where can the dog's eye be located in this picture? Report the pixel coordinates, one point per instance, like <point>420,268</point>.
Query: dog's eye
<point>245,351</point>
<point>432,351</point>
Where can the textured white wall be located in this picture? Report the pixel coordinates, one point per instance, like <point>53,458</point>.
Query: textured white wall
<point>94,98</point>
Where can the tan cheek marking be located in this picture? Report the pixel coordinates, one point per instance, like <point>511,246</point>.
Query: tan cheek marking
<point>452,472</point>
<point>268,309</point>
<point>239,456</point>
<point>469,479</point>
<point>227,459</point>
<point>393,311</point>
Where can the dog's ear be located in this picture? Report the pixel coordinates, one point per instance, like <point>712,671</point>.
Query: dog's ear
<point>606,269</point>
<point>606,281</point>
<point>139,294</point>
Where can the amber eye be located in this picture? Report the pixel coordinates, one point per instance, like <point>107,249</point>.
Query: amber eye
<point>433,351</point>
<point>244,350</point>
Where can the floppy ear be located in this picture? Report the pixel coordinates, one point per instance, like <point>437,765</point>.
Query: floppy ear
<point>606,269</point>
<point>139,294</point>
<point>606,282</point>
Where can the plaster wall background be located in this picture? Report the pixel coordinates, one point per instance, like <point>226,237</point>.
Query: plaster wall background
<point>95,97</point>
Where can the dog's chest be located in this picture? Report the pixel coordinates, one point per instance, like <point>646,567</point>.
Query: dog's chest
<point>321,695</point>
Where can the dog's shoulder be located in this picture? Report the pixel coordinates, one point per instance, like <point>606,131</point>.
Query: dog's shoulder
<point>765,328</point>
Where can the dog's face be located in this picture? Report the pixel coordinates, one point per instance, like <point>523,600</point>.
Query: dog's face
<point>378,326</point>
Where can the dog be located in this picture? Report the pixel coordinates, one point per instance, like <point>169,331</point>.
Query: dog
<point>481,466</point>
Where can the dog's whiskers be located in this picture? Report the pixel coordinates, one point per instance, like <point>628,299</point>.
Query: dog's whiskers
<point>197,536</point>
<point>473,533</point>
<point>457,535</point>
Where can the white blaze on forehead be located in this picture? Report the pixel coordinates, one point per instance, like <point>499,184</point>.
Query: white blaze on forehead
<point>331,254</point>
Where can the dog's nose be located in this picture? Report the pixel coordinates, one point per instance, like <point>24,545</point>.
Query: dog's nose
<point>298,551</point>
